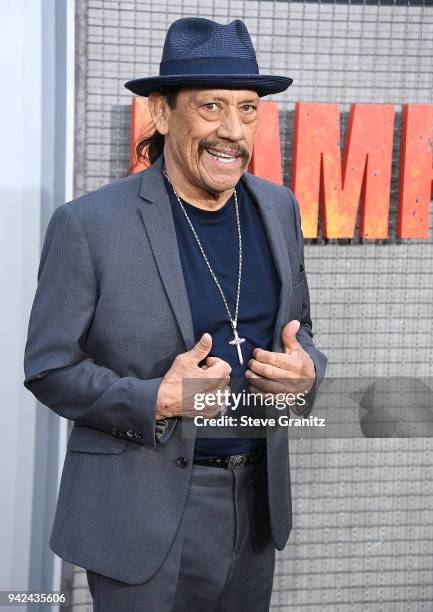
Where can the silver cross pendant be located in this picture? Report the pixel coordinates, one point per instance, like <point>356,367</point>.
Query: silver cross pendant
<point>237,341</point>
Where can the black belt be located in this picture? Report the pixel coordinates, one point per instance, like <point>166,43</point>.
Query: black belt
<point>231,461</point>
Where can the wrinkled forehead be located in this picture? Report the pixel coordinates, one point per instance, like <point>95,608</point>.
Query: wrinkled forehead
<point>195,94</point>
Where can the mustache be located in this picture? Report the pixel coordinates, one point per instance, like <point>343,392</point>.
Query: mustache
<point>228,147</point>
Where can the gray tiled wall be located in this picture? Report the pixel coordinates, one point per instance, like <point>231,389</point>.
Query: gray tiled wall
<point>363,535</point>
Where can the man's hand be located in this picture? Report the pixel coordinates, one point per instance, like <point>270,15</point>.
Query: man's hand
<point>214,375</point>
<point>292,371</point>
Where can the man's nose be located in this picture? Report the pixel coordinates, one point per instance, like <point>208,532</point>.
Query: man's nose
<point>231,126</point>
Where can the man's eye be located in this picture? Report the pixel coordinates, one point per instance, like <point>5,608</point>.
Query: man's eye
<point>209,105</point>
<point>249,106</point>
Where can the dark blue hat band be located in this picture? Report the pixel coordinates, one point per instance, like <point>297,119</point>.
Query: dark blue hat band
<point>206,65</point>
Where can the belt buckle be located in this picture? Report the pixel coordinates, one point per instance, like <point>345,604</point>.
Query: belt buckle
<point>236,461</point>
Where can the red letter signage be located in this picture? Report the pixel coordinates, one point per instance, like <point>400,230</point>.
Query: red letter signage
<point>416,171</point>
<point>266,159</point>
<point>364,179</point>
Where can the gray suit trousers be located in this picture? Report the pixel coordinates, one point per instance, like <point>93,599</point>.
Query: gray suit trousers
<point>222,558</point>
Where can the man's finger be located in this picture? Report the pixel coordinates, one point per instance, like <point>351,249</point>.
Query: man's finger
<point>272,357</point>
<point>201,349</point>
<point>267,370</point>
<point>288,335</point>
<point>265,385</point>
<point>218,366</point>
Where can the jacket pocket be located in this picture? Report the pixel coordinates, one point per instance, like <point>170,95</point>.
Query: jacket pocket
<point>298,278</point>
<point>89,440</point>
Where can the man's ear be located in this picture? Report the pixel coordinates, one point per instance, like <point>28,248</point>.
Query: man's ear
<point>158,109</point>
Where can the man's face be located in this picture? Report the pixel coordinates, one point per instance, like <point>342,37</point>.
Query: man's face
<point>210,135</point>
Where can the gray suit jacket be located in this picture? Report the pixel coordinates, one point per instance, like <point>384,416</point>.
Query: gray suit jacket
<point>110,314</point>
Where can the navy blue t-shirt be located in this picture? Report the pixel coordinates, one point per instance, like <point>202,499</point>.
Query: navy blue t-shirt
<point>259,291</point>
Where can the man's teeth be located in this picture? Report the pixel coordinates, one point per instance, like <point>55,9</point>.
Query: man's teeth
<point>227,159</point>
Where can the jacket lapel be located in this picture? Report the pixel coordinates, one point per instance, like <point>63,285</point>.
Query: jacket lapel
<point>274,234</point>
<point>159,224</point>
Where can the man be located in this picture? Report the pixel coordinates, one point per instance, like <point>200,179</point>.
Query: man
<point>139,282</point>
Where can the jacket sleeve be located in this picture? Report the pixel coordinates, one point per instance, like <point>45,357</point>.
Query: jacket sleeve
<point>58,371</point>
<point>305,333</point>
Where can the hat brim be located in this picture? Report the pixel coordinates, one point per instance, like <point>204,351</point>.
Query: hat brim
<point>263,84</point>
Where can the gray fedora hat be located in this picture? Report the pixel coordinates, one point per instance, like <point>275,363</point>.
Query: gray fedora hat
<point>199,52</point>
